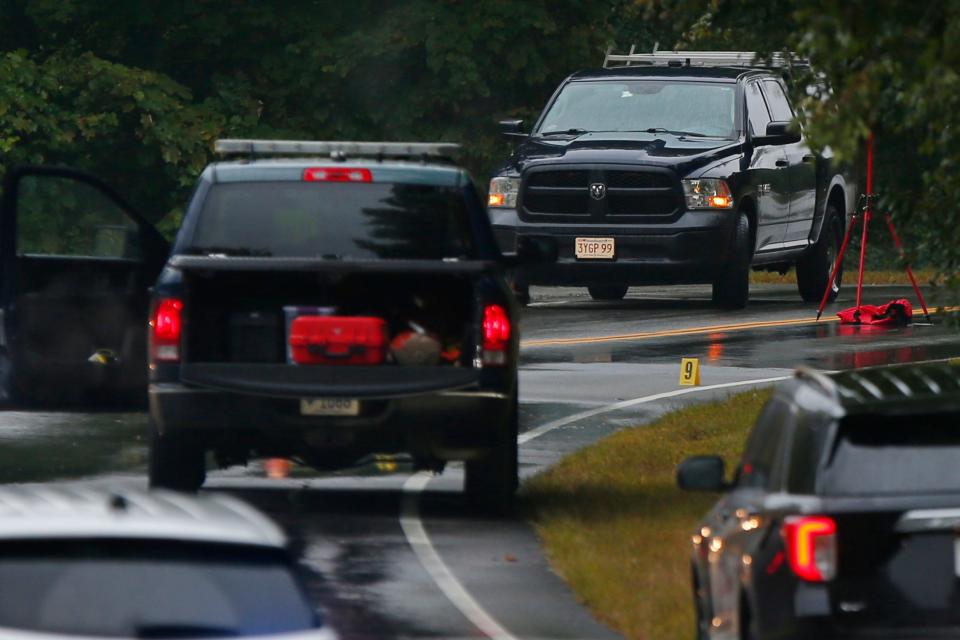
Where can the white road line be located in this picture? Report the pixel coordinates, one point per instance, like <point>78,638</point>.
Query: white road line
<point>419,540</point>
<point>527,436</point>
<point>427,554</point>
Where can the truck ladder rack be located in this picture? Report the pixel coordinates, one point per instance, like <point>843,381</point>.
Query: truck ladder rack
<point>747,59</point>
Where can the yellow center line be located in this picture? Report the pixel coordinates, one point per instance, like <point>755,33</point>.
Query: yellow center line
<point>718,328</point>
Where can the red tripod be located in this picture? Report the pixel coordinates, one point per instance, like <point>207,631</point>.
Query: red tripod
<point>863,245</point>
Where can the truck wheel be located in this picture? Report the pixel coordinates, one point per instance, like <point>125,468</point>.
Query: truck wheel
<point>732,289</point>
<point>522,293</point>
<point>608,291</point>
<point>814,266</point>
<point>491,482</point>
<point>177,461</point>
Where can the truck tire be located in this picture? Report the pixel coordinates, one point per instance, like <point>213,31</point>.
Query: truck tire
<point>731,289</point>
<point>177,461</point>
<point>491,482</point>
<point>609,292</point>
<point>814,266</point>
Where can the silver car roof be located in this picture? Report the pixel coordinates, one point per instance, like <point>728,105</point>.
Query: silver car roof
<point>324,633</point>
<point>62,511</point>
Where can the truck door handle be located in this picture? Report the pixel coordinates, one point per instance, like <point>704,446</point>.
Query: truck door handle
<point>782,163</point>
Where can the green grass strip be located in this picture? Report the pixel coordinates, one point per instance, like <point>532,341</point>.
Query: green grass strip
<point>616,527</point>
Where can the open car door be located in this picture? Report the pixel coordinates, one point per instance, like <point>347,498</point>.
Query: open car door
<point>76,262</point>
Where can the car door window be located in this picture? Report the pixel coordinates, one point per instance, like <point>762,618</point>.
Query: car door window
<point>777,101</point>
<point>60,216</point>
<point>760,468</point>
<point>757,112</point>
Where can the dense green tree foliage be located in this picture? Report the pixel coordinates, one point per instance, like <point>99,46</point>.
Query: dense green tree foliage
<point>890,67</point>
<point>137,90</point>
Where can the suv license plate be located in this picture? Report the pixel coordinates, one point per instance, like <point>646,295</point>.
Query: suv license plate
<point>329,407</point>
<point>594,248</point>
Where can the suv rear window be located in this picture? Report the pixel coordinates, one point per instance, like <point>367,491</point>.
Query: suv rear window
<point>883,455</point>
<point>133,589</point>
<point>333,220</point>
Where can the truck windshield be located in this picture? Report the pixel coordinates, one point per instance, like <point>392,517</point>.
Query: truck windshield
<point>333,220</point>
<point>883,455</point>
<point>692,108</point>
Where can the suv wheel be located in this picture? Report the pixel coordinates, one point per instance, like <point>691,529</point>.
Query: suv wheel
<point>732,288</point>
<point>177,461</point>
<point>608,291</point>
<point>491,482</point>
<point>814,266</point>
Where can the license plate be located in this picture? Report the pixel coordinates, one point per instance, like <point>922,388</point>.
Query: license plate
<point>595,248</point>
<point>329,407</point>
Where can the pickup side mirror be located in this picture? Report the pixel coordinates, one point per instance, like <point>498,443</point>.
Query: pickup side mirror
<point>536,250</point>
<point>778,132</point>
<point>513,128</point>
<point>702,473</point>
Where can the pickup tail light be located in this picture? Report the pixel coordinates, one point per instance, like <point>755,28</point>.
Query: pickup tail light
<point>496,335</point>
<point>166,329</point>
<point>811,543</point>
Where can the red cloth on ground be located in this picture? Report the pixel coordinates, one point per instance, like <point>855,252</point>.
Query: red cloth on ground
<point>897,312</point>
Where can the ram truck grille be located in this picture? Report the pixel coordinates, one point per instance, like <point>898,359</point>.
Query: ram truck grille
<point>628,195</point>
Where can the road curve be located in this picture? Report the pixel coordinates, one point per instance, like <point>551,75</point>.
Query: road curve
<point>395,555</point>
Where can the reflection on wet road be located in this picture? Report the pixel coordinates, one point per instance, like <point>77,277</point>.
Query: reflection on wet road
<point>362,570</point>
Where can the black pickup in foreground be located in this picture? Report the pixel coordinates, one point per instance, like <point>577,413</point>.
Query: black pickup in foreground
<point>325,311</point>
<point>841,520</point>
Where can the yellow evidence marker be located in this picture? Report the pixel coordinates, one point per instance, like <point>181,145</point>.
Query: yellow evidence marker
<point>690,372</point>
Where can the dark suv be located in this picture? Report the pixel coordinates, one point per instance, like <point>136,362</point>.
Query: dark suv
<point>681,168</point>
<point>842,517</point>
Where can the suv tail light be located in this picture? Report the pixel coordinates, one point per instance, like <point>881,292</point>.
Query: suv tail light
<point>166,329</point>
<point>496,335</point>
<point>811,543</point>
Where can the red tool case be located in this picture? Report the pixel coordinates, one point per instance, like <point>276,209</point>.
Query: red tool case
<point>338,340</point>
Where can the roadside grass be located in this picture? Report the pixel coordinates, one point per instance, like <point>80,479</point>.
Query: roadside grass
<point>616,527</point>
<point>870,276</point>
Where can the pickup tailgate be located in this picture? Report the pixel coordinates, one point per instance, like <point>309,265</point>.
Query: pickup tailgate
<point>238,314</point>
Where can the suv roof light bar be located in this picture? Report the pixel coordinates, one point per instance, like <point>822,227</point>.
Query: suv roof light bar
<point>749,59</point>
<point>338,150</point>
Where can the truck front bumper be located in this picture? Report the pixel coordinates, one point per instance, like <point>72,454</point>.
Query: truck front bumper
<point>690,250</point>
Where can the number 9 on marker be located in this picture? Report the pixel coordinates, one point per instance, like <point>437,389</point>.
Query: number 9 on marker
<point>689,372</point>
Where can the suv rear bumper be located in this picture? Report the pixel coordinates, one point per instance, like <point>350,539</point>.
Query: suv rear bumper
<point>689,250</point>
<point>446,425</point>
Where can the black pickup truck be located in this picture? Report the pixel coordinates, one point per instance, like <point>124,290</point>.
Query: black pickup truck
<point>326,309</point>
<point>679,168</point>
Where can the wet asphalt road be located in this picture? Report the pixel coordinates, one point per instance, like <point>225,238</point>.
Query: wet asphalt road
<point>588,369</point>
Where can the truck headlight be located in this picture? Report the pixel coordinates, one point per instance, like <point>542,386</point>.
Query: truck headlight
<point>707,193</point>
<point>503,192</point>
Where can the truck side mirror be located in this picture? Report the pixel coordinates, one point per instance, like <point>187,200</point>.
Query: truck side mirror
<point>778,132</point>
<point>701,473</point>
<point>513,128</point>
